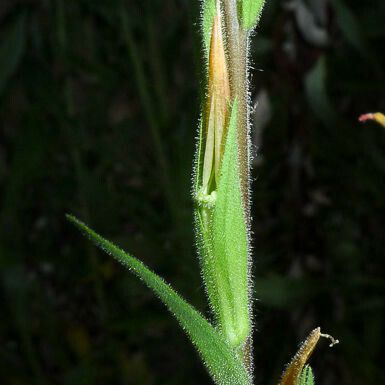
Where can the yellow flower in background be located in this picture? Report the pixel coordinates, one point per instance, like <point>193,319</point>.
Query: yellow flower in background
<point>376,116</point>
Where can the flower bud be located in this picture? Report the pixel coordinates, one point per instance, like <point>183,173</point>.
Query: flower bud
<point>293,372</point>
<point>217,106</point>
<point>294,369</point>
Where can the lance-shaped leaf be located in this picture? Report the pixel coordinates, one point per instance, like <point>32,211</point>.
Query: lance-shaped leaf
<point>230,244</point>
<point>306,377</point>
<point>250,12</point>
<point>223,364</point>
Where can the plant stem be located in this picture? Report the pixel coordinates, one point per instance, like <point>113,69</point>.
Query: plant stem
<point>237,50</point>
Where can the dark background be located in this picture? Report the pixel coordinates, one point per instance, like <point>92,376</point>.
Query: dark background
<point>99,102</point>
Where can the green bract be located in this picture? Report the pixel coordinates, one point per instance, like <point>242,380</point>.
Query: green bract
<point>230,242</point>
<point>250,12</point>
<point>307,377</point>
<point>224,246</point>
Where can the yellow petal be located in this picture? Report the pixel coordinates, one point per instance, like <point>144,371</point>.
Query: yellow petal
<point>380,118</point>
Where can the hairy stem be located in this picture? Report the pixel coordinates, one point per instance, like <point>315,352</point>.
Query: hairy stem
<point>237,50</point>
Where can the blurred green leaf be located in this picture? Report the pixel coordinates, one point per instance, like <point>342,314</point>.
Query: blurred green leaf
<point>316,92</point>
<point>12,46</point>
<point>349,26</point>
<point>18,289</point>
<point>285,292</point>
<point>223,364</point>
<point>81,374</point>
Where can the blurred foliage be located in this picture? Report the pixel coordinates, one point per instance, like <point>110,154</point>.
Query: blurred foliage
<point>98,106</point>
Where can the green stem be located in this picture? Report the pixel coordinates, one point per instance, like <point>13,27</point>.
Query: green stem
<point>237,48</point>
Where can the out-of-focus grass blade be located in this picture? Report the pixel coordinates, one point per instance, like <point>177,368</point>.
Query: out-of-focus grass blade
<point>316,92</point>
<point>223,364</point>
<point>12,45</point>
<point>349,26</point>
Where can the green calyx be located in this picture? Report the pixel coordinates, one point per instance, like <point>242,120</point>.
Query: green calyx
<point>223,236</point>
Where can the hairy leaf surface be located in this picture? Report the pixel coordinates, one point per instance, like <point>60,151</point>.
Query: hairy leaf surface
<point>223,364</point>
<point>230,243</point>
